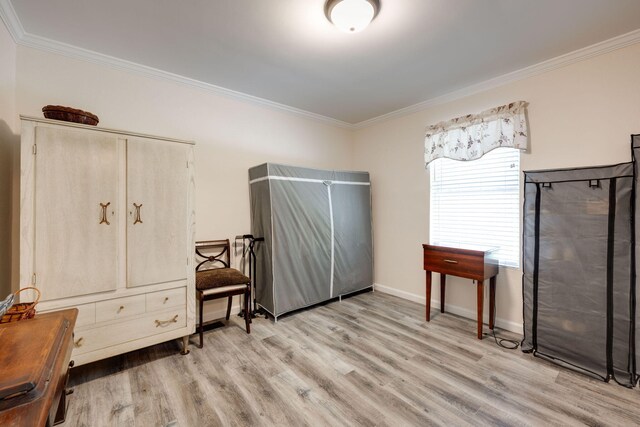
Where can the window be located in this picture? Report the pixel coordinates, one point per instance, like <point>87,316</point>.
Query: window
<point>477,203</point>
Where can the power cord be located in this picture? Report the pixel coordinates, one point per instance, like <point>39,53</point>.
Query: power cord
<point>500,342</point>
<point>513,344</point>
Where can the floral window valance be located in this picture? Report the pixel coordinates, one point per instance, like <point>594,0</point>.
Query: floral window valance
<point>470,137</point>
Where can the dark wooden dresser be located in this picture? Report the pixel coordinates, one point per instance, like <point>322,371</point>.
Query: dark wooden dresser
<point>34,366</point>
<point>477,264</point>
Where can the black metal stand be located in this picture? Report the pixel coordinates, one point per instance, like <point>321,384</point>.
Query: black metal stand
<point>248,249</point>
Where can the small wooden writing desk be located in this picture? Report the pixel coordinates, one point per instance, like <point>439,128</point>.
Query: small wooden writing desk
<point>34,365</point>
<point>472,264</point>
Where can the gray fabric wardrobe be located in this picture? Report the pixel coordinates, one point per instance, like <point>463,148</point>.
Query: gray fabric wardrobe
<point>317,230</point>
<point>579,281</point>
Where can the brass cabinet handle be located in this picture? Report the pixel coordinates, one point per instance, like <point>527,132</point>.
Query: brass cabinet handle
<point>451,261</point>
<point>138,218</point>
<point>165,300</point>
<point>78,342</point>
<point>121,308</point>
<point>103,219</point>
<point>166,322</point>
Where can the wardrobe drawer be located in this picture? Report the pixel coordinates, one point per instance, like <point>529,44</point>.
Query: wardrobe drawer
<point>86,314</point>
<point>91,339</point>
<point>120,308</point>
<point>165,299</point>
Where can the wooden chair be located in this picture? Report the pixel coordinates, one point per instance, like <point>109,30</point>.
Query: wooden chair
<point>215,279</point>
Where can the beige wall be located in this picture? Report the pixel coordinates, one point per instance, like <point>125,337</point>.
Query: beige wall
<point>231,135</point>
<point>579,115</point>
<point>8,140</point>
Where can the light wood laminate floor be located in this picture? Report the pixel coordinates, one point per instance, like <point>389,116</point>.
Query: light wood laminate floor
<point>368,360</point>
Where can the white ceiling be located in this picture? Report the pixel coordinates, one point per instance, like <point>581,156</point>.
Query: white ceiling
<point>287,52</point>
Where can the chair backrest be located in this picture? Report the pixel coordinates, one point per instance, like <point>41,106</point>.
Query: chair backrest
<point>213,254</point>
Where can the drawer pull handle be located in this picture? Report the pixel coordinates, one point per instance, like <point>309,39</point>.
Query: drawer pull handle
<point>121,308</point>
<point>103,219</point>
<point>165,300</point>
<point>78,342</point>
<point>451,261</point>
<point>166,322</point>
<point>137,218</point>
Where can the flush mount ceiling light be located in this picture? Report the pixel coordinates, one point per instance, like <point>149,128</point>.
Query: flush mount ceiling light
<point>351,16</point>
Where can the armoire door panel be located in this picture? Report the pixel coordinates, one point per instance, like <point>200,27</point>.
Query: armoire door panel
<point>156,240</point>
<point>76,212</point>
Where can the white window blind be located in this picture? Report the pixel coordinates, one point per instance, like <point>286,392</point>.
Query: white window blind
<point>477,203</point>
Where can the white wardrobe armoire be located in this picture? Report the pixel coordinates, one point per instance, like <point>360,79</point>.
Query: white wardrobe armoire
<point>107,226</point>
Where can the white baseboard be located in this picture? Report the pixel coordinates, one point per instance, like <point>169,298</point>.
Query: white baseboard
<point>508,325</point>
<point>217,309</point>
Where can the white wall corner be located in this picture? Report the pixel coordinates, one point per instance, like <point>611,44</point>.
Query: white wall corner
<point>11,21</point>
<point>505,324</point>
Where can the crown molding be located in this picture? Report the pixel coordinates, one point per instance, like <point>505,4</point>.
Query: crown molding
<point>594,50</point>
<point>21,37</point>
<point>10,18</point>
<point>48,45</point>
<point>13,24</point>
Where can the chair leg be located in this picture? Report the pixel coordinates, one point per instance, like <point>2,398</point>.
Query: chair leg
<point>247,303</point>
<point>201,328</point>
<point>247,314</point>
<point>229,307</point>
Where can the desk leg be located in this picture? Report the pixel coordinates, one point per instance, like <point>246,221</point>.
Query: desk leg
<point>480,302</point>
<point>492,302</point>
<point>61,412</point>
<point>428,302</point>
<point>443,284</point>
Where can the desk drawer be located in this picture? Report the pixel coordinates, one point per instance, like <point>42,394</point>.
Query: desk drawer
<point>455,263</point>
<point>96,338</point>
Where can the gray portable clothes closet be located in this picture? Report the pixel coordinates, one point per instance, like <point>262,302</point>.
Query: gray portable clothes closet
<point>317,230</point>
<point>579,281</point>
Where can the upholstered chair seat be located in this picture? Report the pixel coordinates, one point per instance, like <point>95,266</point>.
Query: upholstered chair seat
<point>219,277</point>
